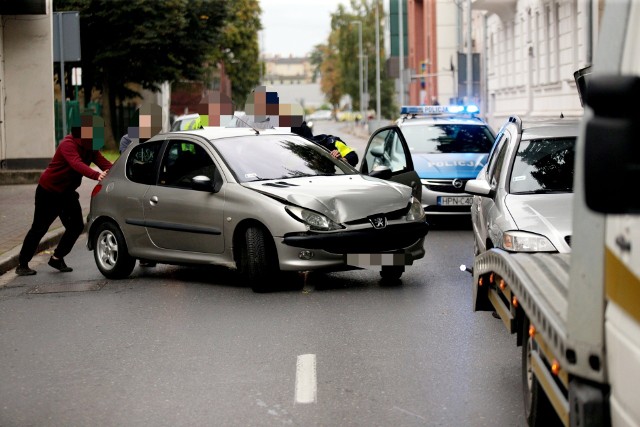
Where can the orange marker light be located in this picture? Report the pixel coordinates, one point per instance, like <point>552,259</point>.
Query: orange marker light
<point>502,285</point>
<point>555,367</point>
<point>514,301</point>
<point>480,282</point>
<point>532,330</point>
<point>491,278</point>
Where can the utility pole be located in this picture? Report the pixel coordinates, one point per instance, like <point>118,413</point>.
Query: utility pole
<point>401,54</point>
<point>469,55</point>
<point>360,65</point>
<point>378,115</point>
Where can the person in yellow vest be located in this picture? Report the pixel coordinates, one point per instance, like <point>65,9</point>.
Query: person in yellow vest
<point>338,148</point>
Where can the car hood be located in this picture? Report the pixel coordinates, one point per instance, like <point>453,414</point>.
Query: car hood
<point>449,165</point>
<point>341,198</point>
<point>546,214</point>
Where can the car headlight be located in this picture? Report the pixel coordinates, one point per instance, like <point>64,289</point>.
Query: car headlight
<point>415,210</point>
<point>520,241</point>
<point>314,220</point>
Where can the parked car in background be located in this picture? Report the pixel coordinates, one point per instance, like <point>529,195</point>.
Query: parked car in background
<point>445,145</point>
<point>523,197</point>
<point>320,115</point>
<point>263,202</point>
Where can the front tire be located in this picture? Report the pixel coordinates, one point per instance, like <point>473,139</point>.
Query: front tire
<point>258,259</point>
<point>110,252</point>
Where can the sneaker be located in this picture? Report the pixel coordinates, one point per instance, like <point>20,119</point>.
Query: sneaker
<point>59,264</point>
<point>24,270</point>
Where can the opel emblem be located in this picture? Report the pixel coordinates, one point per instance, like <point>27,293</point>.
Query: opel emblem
<point>457,183</point>
<point>378,222</point>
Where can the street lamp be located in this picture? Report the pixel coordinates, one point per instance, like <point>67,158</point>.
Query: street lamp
<point>360,64</point>
<point>378,115</point>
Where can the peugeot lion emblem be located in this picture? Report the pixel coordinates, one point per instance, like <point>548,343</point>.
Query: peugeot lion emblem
<point>378,222</point>
<point>457,183</point>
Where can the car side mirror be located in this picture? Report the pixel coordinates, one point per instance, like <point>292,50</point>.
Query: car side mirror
<point>479,187</point>
<point>204,183</point>
<point>382,172</point>
<point>611,146</point>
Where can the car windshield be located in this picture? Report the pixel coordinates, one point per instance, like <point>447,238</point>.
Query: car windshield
<point>266,157</point>
<point>543,166</point>
<point>448,138</point>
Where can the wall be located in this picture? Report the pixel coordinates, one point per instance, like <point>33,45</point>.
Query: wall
<point>27,113</point>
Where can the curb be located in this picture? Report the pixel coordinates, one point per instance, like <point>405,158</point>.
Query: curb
<point>9,260</point>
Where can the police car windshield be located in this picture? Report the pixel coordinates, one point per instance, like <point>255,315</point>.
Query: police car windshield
<point>448,138</point>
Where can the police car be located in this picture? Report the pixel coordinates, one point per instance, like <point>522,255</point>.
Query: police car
<point>445,145</point>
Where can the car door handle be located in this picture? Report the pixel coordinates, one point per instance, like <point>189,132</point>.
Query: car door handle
<point>153,200</point>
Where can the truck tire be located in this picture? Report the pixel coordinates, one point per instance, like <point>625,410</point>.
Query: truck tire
<point>538,410</point>
<point>110,252</point>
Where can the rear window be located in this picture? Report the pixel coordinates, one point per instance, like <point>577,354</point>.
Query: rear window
<point>449,138</point>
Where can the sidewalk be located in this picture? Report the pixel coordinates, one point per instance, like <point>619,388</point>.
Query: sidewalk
<point>16,215</point>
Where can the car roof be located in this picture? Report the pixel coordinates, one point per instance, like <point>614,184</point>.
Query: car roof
<point>217,132</point>
<point>421,115</point>
<point>436,120</point>
<point>550,128</point>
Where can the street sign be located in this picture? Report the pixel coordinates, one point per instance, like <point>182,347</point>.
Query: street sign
<point>66,36</point>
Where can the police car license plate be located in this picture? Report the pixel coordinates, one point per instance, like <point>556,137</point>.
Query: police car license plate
<point>455,200</point>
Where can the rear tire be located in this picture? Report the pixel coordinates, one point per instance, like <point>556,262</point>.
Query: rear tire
<point>538,410</point>
<point>258,260</point>
<point>110,252</point>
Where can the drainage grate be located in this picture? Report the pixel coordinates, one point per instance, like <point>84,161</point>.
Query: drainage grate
<point>67,287</point>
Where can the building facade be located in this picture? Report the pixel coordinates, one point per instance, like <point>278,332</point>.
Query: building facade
<point>520,54</point>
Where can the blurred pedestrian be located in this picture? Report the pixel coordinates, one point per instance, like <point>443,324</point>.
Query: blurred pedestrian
<point>56,195</point>
<point>145,123</point>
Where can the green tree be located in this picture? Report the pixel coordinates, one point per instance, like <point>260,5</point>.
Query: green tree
<point>146,42</point>
<point>241,51</point>
<point>344,45</point>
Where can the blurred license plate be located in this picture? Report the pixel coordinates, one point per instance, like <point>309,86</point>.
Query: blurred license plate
<point>367,260</point>
<point>455,201</point>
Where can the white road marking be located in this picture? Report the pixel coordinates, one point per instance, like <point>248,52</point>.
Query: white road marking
<point>306,383</point>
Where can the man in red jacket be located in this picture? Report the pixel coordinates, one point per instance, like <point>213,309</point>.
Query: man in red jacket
<point>56,194</point>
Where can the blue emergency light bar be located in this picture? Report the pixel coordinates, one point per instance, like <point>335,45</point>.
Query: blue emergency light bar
<point>439,109</point>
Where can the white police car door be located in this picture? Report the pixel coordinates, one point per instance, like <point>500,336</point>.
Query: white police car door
<point>387,149</point>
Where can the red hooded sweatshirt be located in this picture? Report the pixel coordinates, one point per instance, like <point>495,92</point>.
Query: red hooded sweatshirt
<point>70,163</point>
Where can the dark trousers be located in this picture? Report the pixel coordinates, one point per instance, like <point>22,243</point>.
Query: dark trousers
<point>48,207</point>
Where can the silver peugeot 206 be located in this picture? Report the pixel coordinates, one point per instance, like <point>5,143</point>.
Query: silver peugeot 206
<point>262,202</point>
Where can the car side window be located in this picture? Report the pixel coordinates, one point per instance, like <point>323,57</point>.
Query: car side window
<point>142,162</point>
<point>496,167</point>
<point>182,161</point>
<point>501,141</point>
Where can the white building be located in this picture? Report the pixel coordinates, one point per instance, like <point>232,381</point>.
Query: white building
<point>530,50</point>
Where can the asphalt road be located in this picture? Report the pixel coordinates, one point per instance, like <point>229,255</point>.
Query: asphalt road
<point>176,346</point>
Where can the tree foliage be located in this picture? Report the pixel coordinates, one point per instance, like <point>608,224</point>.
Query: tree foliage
<point>240,48</point>
<point>146,42</point>
<point>342,52</point>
